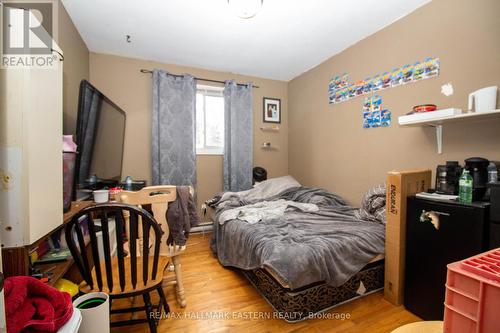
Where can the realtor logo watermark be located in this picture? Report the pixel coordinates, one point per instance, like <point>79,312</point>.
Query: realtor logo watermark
<point>29,31</point>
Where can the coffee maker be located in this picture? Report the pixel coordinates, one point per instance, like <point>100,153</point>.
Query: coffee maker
<point>447,177</point>
<point>478,169</point>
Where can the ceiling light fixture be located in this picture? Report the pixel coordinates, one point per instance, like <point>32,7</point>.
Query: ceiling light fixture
<point>245,9</point>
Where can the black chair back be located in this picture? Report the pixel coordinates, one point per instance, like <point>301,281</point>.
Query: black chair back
<point>122,213</point>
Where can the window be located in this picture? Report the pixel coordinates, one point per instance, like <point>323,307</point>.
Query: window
<point>209,121</point>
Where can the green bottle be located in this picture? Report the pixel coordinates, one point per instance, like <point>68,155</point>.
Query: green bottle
<point>465,188</point>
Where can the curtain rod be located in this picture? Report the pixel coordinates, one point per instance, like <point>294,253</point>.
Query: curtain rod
<point>146,71</point>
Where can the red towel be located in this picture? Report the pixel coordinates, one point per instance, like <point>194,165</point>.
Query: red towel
<point>33,306</point>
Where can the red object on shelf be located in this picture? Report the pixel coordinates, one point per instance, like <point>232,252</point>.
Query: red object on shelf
<point>424,108</point>
<point>114,192</point>
<point>473,295</point>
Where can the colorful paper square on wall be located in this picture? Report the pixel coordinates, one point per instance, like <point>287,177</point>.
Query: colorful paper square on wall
<point>373,116</point>
<point>341,90</point>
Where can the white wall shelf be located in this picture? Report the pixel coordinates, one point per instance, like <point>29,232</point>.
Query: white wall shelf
<point>268,146</point>
<point>438,123</point>
<point>270,128</point>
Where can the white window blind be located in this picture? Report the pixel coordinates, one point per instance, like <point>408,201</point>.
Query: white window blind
<point>209,120</point>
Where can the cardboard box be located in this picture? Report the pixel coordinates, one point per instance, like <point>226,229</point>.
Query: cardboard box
<point>400,185</point>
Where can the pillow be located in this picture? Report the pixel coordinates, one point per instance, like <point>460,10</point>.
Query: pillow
<point>265,189</point>
<point>373,205</point>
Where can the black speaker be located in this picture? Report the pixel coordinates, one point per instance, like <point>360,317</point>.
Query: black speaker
<point>259,174</point>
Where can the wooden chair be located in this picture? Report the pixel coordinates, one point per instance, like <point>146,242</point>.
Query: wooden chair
<point>159,197</point>
<point>120,276</point>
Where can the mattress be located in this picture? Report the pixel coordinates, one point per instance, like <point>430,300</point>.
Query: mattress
<point>309,301</point>
<point>302,247</point>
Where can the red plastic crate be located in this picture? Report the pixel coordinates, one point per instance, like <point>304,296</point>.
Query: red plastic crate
<point>486,265</point>
<point>472,299</point>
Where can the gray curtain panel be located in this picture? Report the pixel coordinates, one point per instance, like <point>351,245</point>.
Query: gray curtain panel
<point>238,137</point>
<point>173,129</point>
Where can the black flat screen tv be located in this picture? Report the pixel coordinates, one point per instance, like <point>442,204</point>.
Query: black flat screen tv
<point>100,134</point>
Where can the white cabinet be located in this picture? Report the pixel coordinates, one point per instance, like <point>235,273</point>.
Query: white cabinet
<point>30,153</point>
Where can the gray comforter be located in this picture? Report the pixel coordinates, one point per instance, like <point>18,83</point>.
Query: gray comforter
<point>329,245</point>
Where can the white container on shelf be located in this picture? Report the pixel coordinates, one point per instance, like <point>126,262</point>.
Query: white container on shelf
<point>101,196</point>
<point>484,100</point>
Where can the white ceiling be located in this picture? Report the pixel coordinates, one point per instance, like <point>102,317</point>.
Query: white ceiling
<point>285,39</point>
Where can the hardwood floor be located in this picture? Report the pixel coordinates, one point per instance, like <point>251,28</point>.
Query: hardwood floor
<point>225,296</point>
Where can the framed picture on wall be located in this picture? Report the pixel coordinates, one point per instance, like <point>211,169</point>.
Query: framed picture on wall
<point>272,110</point>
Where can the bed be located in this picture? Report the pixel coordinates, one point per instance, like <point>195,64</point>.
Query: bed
<point>304,249</point>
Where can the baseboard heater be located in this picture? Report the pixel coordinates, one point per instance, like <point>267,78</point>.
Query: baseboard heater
<point>202,227</point>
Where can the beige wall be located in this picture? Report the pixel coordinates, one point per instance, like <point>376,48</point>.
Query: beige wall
<point>120,79</point>
<point>328,146</point>
<point>76,68</point>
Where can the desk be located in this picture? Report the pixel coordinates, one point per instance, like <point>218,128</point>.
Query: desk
<point>59,270</point>
<point>16,259</point>
<point>76,206</point>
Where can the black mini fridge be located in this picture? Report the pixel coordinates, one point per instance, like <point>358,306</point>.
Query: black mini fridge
<point>461,233</point>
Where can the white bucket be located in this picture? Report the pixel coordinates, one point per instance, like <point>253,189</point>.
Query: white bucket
<point>95,319</point>
<point>112,238</point>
